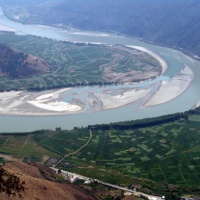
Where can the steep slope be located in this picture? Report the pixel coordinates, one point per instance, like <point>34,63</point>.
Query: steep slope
<point>37,187</point>
<point>172,22</point>
<point>16,64</point>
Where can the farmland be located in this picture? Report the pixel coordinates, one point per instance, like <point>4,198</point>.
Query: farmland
<point>154,157</point>
<point>78,64</point>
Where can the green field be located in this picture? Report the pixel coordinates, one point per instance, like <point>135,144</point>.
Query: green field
<point>75,64</point>
<point>155,157</point>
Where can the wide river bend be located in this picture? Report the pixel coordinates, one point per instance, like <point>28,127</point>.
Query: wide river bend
<point>176,61</point>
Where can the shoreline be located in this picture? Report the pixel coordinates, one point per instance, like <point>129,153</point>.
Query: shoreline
<point>49,103</point>
<point>46,103</point>
<point>174,87</point>
<point>104,33</point>
<point>54,108</point>
<point>153,54</point>
<point>106,101</point>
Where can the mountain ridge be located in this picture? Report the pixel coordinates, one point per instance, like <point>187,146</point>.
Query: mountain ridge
<point>172,23</point>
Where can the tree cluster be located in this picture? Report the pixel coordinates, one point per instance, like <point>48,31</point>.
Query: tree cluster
<point>11,184</point>
<point>147,122</point>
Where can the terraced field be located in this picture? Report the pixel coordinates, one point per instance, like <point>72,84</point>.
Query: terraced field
<point>79,64</point>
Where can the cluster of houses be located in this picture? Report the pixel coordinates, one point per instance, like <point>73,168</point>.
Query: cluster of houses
<point>72,177</point>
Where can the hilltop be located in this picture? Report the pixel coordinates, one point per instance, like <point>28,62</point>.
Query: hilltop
<point>30,182</point>
<point>38,182</point>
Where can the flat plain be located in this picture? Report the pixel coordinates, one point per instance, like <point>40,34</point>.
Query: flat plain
<point>155,156</point>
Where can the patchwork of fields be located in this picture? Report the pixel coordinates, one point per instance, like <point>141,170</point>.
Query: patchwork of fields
<point>79,64</point>
<point>166,154</point>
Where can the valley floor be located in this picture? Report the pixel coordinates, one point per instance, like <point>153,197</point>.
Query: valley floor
<point>51,103</point>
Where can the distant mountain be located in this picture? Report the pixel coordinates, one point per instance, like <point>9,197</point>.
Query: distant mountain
<point>16,64</point>
<point>174,23</point>
<point>21,2</point>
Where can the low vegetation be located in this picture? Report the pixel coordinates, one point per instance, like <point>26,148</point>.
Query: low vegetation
<point>161,158</point>
<point>73,64</point>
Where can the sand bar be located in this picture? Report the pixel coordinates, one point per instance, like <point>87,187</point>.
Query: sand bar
<point>50,96</point>
<point>58,106</point>
<point>109,101</point>
<point>9,95</point>
<point>36,103</point>
<point>171,89</point>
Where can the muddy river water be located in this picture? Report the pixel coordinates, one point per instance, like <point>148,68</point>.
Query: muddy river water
<point>176,61</point>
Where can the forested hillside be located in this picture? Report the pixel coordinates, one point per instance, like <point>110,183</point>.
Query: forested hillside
<point>173,22</point>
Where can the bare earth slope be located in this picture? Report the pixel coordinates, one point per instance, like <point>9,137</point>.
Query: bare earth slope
<point>39,188</point>
<point>16,64</point>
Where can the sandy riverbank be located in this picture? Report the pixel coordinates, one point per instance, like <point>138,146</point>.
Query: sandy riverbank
<point>50,102</point>
<point>153,54</point>
<point>36,103</point>
<point>106,100</point>
<point>171,89</point>
<point>94,34</point>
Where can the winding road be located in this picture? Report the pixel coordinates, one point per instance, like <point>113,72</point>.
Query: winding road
<point>134,192</point>
<point>76,150</point>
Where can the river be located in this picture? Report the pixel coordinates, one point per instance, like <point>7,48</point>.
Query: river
<point>175,60</point>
